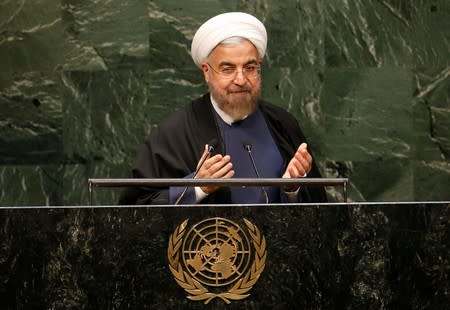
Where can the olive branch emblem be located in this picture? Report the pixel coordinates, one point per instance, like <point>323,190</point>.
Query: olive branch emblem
<point>196,290</point>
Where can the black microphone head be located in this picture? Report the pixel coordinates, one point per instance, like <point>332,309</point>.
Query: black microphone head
<point>247,146</point>
<point>212,145</point>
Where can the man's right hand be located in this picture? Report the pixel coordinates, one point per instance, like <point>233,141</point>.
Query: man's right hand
<point>215,167</point>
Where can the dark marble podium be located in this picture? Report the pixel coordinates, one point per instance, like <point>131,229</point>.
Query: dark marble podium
<point>328,256</point>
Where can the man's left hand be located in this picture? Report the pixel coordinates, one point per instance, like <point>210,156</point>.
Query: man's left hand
<point>300,164</point>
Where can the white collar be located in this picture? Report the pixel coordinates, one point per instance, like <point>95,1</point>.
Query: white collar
<point>224,116</point>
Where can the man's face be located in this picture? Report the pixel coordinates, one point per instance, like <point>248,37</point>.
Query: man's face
<point>239,95</point>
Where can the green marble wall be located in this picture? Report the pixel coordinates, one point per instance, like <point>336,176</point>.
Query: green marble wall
<point>83,82</point>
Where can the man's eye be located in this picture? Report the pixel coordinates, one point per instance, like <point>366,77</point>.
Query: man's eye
<point>250,68</point>
<point>228,70</point>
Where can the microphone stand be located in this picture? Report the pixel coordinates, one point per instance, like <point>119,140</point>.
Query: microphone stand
<point>248,148</point>
<point>210,150</point>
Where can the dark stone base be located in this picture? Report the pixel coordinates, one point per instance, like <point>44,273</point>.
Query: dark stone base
<point>332,256</point>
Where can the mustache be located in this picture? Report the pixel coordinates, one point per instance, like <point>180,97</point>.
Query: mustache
<point>239,89</point>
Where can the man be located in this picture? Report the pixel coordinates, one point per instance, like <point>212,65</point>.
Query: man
<point>251,138</point>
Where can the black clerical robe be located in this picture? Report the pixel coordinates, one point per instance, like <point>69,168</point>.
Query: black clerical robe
<point>173,149</point>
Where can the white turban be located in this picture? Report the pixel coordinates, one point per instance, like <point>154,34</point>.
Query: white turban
<point>224,26</point>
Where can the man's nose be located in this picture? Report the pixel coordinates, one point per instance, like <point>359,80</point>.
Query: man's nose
<point>240,78</point>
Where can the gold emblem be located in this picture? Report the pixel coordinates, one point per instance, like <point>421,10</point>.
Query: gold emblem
<point>215,258</point>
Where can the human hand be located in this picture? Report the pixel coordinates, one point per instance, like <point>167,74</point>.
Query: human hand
<point>300,164</point>
<point>215,167</point>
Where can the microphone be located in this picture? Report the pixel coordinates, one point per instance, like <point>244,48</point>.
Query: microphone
<point>248,147</point>
<point>211,147</point>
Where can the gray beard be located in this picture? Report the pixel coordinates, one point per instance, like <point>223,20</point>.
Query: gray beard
<point>236,109</point>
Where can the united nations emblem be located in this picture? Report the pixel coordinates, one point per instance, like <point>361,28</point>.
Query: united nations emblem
<point>216,258</point>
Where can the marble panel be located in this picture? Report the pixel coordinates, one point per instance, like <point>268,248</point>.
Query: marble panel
<point>31,36</point>
<point>365,116</point>
<point>299,93</point>
<point>100,123</point>
<point>295,34</point>
<point>430,37</point>
<point>171,89</point>
<point>388,179</point>
<point>431,180</point>
<point>30,118</point>
<point>432,113</point>
<point>31,185</point>
<point>368,33</point>
<point>108,35</point>
<point>318,256</point>
<point>75,183</point>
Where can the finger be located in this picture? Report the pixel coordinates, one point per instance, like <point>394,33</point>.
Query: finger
<point>286,173</point>
<point>302,162</point>
<point>210,162</point>
<point>303,146</point>
<point>205,170</point>
<point>220,163</point>
<point>215,166</point>
<point>294,172</point>
<point>305,154</point>
<point>305,159</point>
<point>221,171</point>
<point>291,169</point>
<point>228,175</point>
<point>297,167</point>
<point>303,150</point>
<point>302,169</point>
<point>209,189</point>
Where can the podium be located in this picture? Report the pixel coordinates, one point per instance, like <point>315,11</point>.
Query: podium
<point>309,256</point>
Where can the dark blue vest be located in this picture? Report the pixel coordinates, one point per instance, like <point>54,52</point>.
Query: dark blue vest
<point>252,130</point>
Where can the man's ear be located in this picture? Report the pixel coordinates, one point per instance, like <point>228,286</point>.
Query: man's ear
<point>205,69</point>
